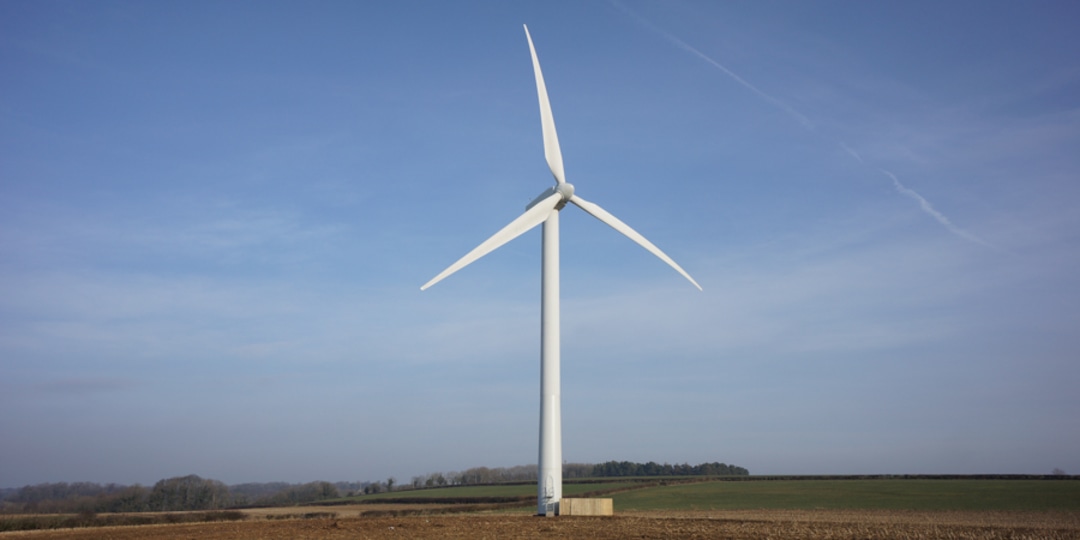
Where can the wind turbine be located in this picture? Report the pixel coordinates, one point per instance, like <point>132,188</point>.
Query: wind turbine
<point>545,209</point>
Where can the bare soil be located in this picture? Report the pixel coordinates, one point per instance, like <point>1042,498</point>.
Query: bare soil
<point>805,524</point>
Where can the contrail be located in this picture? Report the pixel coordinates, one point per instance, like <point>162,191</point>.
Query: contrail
<point>929,209</point>
<point>804,121</point>
<point>690,49</point>
<point>850,152</point>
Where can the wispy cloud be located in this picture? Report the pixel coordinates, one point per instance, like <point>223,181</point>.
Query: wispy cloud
<point>803,121</point>
<point>933,212</point>
<point>850,151</point>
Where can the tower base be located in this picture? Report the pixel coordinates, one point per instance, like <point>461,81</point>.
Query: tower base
<point>586,507</point>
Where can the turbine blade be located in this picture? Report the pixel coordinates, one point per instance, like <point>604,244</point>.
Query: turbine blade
<point>531,218</point>
<point>618,225</point>
<point>551,139</point>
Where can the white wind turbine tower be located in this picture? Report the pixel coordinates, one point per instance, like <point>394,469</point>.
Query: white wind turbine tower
<point>545,209</point>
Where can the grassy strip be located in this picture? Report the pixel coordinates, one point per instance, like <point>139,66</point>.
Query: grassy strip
<point>977,495</point>
<point>469,499</point>
<point>441,510</point>
<point>477,494</point>
<point>90,519</point>
<point>305,515</point>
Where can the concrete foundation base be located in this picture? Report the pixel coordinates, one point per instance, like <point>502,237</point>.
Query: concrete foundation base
<point>586,507</point>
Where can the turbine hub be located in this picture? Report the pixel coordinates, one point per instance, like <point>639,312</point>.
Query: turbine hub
<point>566,189</point>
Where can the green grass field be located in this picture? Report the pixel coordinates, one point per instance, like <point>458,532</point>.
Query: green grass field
<point>808,494</point>
<point>858,495</point>
<point>509,490</point>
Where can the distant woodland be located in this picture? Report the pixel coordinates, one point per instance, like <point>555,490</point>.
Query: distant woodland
<point>172,494</point>
<point>195,493</point>
<point>626,468</point>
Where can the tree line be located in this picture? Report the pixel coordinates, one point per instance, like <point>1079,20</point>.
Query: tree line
<point>527,473</point>
<point>185,493</point>
<point>652,468</point>
<point>171,494</point>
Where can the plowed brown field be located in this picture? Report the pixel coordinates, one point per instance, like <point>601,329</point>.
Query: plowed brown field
<point>727,524</point>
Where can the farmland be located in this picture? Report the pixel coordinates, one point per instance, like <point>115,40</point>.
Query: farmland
<point>955,508</point>
<point>934,495</point>
<point>505,491</point>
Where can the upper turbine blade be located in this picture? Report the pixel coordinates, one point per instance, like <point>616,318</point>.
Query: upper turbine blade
<point>551,140</point>
<point>618,225</point>
<point>531,218</point>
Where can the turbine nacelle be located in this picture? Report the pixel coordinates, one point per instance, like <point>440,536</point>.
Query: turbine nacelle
<point>565,190</point>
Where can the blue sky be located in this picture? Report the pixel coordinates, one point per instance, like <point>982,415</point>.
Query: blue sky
<point>215,219</point>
